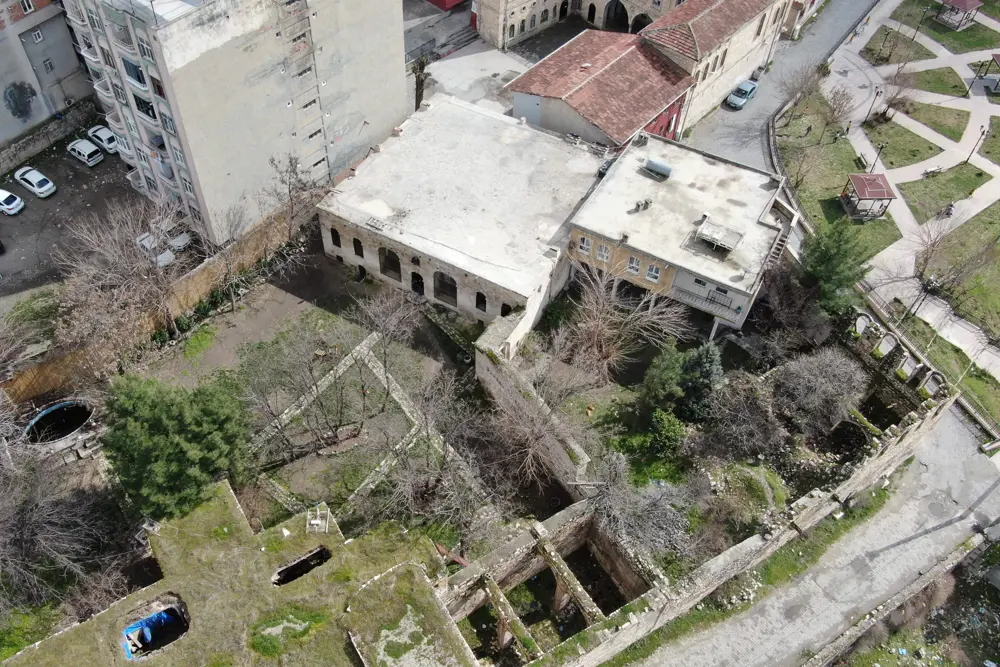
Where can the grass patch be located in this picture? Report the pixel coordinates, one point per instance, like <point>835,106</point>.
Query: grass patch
<point>24,627</point>
<point>928,196</point>
<point>991,8</point>
<point>272,636</point>
<point>902,146</point>
<point>990,149</point>
<point>910,640</point>
<point>943,81</point>
<point>827,165</point>
<point>947,122</point>
<point>37,313</point>
<point>199,343</point>
<point>976,37</point>
<point>888,47</point>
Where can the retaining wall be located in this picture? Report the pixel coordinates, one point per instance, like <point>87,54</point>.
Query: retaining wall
<point>27,146</point>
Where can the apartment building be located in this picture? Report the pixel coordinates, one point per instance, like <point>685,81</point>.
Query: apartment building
<point>39,72</point>
<point>691,226</point>
<point>201,94</point>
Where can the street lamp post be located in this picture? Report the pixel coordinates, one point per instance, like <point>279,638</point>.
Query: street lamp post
<point>880,147</point>
<point>878,93</point>
<point>982,134</point>
<point>920,22</point>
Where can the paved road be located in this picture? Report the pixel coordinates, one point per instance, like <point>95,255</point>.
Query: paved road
<point>739,135</point>
<point>948,488</point>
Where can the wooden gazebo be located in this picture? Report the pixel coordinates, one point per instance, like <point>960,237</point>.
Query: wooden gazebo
<point>958,14</point>
<point>867,196</point>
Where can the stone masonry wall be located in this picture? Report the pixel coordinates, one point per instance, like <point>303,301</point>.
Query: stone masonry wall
<point>28,146</point>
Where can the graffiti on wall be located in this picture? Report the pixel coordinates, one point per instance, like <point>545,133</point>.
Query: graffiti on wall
<point>17,97</point>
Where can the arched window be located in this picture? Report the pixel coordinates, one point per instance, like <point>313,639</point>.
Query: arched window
<point>481,301</point>
<point>335,237</point>
<point>388,264</point>
<point>591,13</point>
<point>722,61</point>
<point>505,310</point>
<point>715,63</point>
<point>545,16</point>
<point>359,249</point>
<point>512,30</point>
<point>522,25</point>
<point>445,288</point>
<point>532,21</point>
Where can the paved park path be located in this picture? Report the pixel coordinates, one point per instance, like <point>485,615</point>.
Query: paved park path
<point>949,487</point>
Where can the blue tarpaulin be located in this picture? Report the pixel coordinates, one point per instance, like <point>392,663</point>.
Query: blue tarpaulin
<point>147,629</point>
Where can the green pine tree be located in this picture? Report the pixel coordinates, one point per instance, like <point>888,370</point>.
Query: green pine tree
<point>832,264</point>
<point>661,385</point>
<point>703,373</point>
<point>168,444</point>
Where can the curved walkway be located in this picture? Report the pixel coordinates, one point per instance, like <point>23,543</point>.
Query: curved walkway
<point>893,268</point>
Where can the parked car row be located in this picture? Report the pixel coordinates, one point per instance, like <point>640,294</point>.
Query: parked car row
<point>41,186</point>
<point>163,243</point>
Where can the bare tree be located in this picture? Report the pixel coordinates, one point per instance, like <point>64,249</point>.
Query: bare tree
<point>612,325</point>
<point>840,105</point>
<point>420,75</point>
<point>798,82</point>
<point>392,315</point>
<point>231,254</point>
<point>743,423</point>
<point>117,279</point>
<point>817,391</point>
<point>292,190</point>
<point>896,90</point>
<point>799,162</point>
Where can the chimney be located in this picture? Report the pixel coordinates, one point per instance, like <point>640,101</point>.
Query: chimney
<point>397,131</point>
<point>425,105</point>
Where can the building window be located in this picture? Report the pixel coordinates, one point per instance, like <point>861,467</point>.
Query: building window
<point>545,16</point>
<point>142,157</point>
<point>653,273</point>
<point>150,183</point>
<point>334,237</point>
<point>94,19</point>
<point>119,93</point>
<point>315,134</point>
<point>309,103</point>
<point>304,72</point>
<point>505,310</point>
<point>144,50</point>
<point>47,64</point>
<point>37,36</point>
<point>359,249</point>
<point>168,123</point>
<point>130,124</point>
<point>760,26</point>
<point>158,87</point>
<point>522,25</point>
<point>27,6</point>
<point>584,245</point>
<point>480,301</point>
<point>144,106</point>
<point>532,21</point>
<point>777,15</point>
<point>106,56</point>
<point>318,162</point>
<point>633,265</point>
<point>715,63</point>
<point>187,185</point>
<point>657,3</point>
<point>295,40</point>
<point>721,290</point>
<point>178,156</point>
<point>512,31</point>
<point>722,61</point>
<point>670,125</point>
<point>577,5</point>
<point>122,143</point>
<point>134,72</point>
<point>603,253</point>
<point>699,281</point>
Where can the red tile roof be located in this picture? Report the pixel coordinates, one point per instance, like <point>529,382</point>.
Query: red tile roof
<point>614,80</point>
<point>964,5</point>
<point>872,186</point>
<point>698,26</point>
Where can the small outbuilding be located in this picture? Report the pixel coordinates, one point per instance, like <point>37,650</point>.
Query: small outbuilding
<point>958,14</point>
<point>867,196</point>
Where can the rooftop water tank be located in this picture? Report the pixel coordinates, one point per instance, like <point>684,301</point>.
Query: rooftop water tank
<point>657,167</point>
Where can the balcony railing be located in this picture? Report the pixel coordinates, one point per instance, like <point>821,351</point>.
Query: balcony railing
<point>137,85</point>
<point>121,38</point>
<point>152,122</point>
<point>75,15</point>
<point>88,52</point>
<point>103,87</point>
<point>135,180</point>
<point>115,120</point>
<point>708,305</point>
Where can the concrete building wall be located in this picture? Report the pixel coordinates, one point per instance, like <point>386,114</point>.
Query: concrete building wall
<point>733,61</point>
<point>556,116</point>
<point>800,12</point>
<point>242,94</point>
<point>740,302</point>
<point>31,94</point>
<point>468,285</point>
<point>618,263</point>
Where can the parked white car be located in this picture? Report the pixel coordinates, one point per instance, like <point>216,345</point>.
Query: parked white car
<point>35,181</point>
<point>10,203</point>
<point>164,235</point>
<point>86,152</point>
<point>104,138</point>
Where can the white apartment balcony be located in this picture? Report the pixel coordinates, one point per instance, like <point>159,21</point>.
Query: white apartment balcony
<point>121,38</point>
<point>103,88</point>
<point>88,52</point>
<point>151,122</point>
<point>717,304</point>
<point>75,15</point>
<point>142,87</point>
<point>115,120</point>
<point>135,180</point>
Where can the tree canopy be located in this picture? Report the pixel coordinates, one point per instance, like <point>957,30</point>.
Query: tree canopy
<point>832,264</point>
<point>167,444</point>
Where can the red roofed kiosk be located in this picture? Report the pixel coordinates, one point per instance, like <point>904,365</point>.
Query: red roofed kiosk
<point>958,14</point>
<point>867,196</point>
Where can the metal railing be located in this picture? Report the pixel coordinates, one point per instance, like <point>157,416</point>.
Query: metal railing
<point>709,304</point>
<point>421,51</point>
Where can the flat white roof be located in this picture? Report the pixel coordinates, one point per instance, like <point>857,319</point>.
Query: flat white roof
<point>472,188</point>
<point>735,197</point>
<point>164,11</point>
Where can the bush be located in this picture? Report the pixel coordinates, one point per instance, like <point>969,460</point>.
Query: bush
<point>161,337</point>
<point>202,309</point>
<point>703,374</point>
<point>184,323</point>
<point>218,297</point>
<point>823,69</point>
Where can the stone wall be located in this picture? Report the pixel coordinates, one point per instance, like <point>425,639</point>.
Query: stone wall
<point>59,127</point>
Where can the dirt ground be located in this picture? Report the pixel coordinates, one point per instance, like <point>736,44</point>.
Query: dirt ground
<point>31,236</point>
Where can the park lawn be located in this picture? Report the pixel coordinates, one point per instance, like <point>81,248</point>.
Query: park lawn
<point>947,122</point>
<point>829,163</point>
<point>943,81</point>
<point>928,196</point>
<point>902,147</point>
<point>990,148</point>
<point>991,8</point>
<point>888,42</point>
<point>976,37</point>
<point>980,300</point>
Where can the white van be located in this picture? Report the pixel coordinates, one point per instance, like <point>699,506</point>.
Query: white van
<point>85,152</point>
